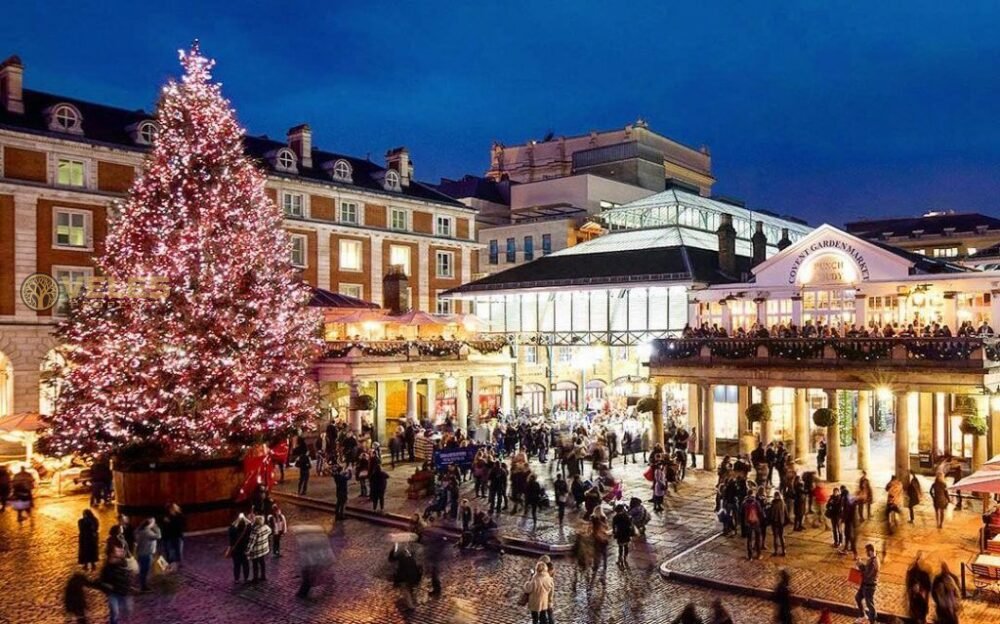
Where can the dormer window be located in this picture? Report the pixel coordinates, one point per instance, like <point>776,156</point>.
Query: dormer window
<point>284,160</point>
<point>65,118</point>
<point>146,133</point>
<point>342,171</point>
<point>391,180</point>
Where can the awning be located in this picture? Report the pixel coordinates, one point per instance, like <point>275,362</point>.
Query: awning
<point>23,422</point>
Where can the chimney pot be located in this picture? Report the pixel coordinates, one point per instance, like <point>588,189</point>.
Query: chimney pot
<point>785,241</point>
<point>398,159</point>
<point>11,85</point>
<point>759,243</point>
<point>727,245</point>
<point>300,142</point>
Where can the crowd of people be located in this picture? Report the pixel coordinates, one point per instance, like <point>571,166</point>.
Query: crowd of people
<point>809,329</point>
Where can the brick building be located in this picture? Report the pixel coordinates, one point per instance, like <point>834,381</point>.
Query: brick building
<point>64,163</point>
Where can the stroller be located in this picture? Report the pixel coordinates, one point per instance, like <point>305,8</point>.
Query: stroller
<point>438,505</point>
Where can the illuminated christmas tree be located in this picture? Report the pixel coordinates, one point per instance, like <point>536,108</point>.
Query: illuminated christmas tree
<point>222,360</point>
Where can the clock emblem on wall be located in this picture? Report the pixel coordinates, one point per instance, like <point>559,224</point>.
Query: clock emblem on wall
<point>40,292</point>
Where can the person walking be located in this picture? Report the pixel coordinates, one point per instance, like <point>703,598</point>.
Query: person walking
<point>659,487</point>
<point>532,497</point>
<point>407,576</point>
<point>4,487</point>
<point>820,457</point>
<point>869,568</point>
<point>379,482</point>
<point>753,520</point>
<point>174,526</point>
<point>145,547</point>
<point>783,598</point>
<point>623,530</point>
<point>539,591</point>
<point>719,613</point>
<point>947,597</point>
<point>279,526</point>
<point>23,493</point>
<point>777,516</point>
<point>939,496</point>
<point>561,491</point>
<point>258,548</point>
<point>913,493</point>
<point>833,507</point>
<point>88,540</point>
<point>239,537</point>
<point>688,615</point>
<point>865,496</point>
<point>341,480</point>
<point>918,590</point>
<point>799,503</point>
<point>849,521</point>
<point>116,582</point>
<point>304,464</point>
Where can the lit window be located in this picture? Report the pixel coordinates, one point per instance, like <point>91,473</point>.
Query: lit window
<point>531,355</point>
<point>71,280</point>
<point>299,245</point>
<point>494,252</point>
<point>442,226</point>
<point>72,228</point>
<point>351,290</point>
<point>565,355</point>
<point>529,248</point>
<point>342,171</point>
<point>445,264</point>
<point>147,132</point>
<point>546,244</point>
<point>443,305</point>
<point>946,252</point>
<point>399,256</point>
<point>285,160</point>
<point>350,255</point>
<point>398,220</point>
<point>349,213</point>
<point>65,118</point>
<point>921,252</point>
<point>292,204</point>
<point>70,172</point>
<point>391,180</point>
<point>511,250</point>
<point>971,251</point>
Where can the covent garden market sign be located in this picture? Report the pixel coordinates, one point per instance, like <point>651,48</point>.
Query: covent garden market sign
<point>827,261</point>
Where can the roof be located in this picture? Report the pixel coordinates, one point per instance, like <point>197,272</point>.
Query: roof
<point>322,298</point>
<point>934,224</point>
<point>662,264</point>
<point>109,125</point>
<point>922,263</point>
<point>989,252</point>
<point>476,187</point>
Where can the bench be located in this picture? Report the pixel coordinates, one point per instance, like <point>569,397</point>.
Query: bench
<point>985,577</point>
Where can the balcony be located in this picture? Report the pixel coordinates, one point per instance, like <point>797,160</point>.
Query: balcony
<point>410,350</point>
<point>924,354</point>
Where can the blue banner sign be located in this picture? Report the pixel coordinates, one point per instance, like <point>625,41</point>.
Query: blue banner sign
<point>461,457</point>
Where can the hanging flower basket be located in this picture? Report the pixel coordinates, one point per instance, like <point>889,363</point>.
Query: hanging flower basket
<point>758,412</point>
<point>824,417</point>
<point>974,425</point>
<point>646,405</point>
<point>365,402</point>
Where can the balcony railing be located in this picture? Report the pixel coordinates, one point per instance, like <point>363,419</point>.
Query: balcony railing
<point>411,349</point>
<point>972,352</point>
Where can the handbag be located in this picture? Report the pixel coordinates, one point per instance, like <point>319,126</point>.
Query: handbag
<point>854,576</point>
<point>132,564</point>
<point>648,474</point>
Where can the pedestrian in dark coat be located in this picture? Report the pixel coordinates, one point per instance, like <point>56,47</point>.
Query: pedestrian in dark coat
<point>918,590</point>
<point>379,483</point>
<point>783,599</point>
<point>532,497</point>
<point>777,515</point>
<point>89,540</point>
<point>75,597</point>
<point>947,596</point>
<point>4,487</point>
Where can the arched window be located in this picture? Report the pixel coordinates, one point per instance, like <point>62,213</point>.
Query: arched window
<point>65,118</point>
<point>285,160</point>
<point>147,133</point>
<point>342,171</point>
<point>392,180</point>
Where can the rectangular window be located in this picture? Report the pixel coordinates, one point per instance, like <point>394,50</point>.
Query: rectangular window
<point>71,280</point>
<point>546,244</point>
<point>511,250</point>
<point>293,204</point>
<point>72,228</point>
<point>565,355</point>
<point>351,290</point>
<point>494,252</point>
<point>970,251</point>
<point>399,255</point>
<point>529,248</point>
<point>443,305</point>
<point>70,172</point>
<point>349,213</point>
<point>398,220</point>
<point>445,264</point>
<point>531,355</point>
<point>298,252</point>
<point>946,252</point>
<point>350,255</point>
<point>922,252</point>
<point>443,226</point>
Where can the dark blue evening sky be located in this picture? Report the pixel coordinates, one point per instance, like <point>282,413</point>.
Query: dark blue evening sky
<point>827,110</point>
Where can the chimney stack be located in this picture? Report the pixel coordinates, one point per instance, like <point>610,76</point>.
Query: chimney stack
<point>300,142</point>
<point>394,291</point>
<point>11,87</point>
<point>785,241</point>
<point>759,242</point>
<point>398,159</point>
<point>727,245</point>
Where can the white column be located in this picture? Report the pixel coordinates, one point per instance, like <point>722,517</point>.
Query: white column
<point>903,436</point>
<point>25,248</point>
<point>474,398</point>
<point>462,404</point>
<point>381,397</point>
<point>747,445</point>
<point>378,272</point>
<point>860,310</point>
<point>995,424</point>
<point>766,426</point>
<point>864,429</point>
<point>431,398</point>
<point>797,311</point>
<point>354,420</point>
<point>708,426</point>
<point>507,394</point>
<point>833,439</point>
<point>411,399</point>
<point>801,425</point>
<point>323,260</point>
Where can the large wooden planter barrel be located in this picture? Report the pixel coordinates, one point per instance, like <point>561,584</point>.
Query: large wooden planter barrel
<point>205,490</point>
